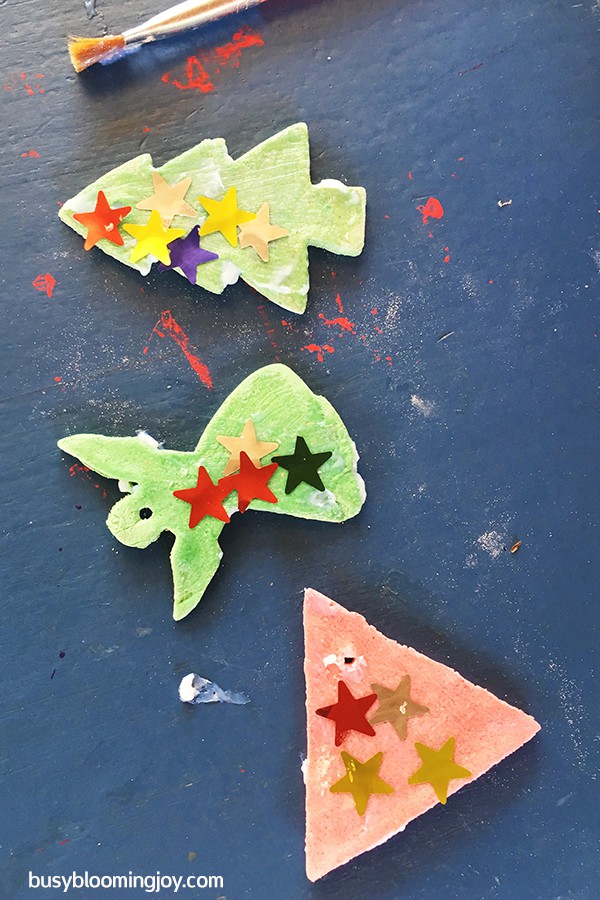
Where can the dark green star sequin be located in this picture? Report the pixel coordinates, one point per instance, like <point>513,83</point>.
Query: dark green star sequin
<point>302,466</point>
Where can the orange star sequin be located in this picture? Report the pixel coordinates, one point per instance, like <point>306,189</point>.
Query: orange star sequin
<point>102,222</point>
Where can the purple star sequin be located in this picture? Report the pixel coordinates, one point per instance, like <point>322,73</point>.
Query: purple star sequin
<point>187,254</point>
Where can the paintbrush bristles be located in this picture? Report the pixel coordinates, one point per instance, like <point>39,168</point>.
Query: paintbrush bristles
<point>85,52</point>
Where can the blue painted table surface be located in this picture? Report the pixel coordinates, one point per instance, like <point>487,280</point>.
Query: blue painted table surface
<point>467,444</point>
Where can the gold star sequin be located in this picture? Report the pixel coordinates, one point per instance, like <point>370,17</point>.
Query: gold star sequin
<point>259,233</point>
<point>249,444</point>
<point>224,216</point>
<point>396,706</point>
<point>438,768</point>
<point>361,780</point>
<point>168,199</point>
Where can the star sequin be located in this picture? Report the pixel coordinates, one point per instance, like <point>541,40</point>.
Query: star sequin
<point>438,768</point>
<point>224,216</point>
<point>251,482</point>
<point>168,200</point>
<point>206,499</point>
<point>258,233</point>
<point>396,706</point>
<point>187,255</point>
<point>249,444</point>
<point>349,713</point>
<point>153,239</point>
<point>361,780</point>
<point>102,222</point>
<point>303,466</point>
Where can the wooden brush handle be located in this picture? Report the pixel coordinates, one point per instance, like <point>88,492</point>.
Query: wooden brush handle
<point>189,14</point>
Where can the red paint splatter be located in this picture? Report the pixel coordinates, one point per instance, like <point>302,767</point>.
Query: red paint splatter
<point>28,87</point>
<point>491,281</point>
<point>44,283</point>
<point>472,69</point>
<point>341,321</point>
<point>460,158</point>
<point>269,329</point>
<point>374,311</point>
<point>447,257</point>
<point>84,473</point>
<point>433,209</point>
<point>389,360</point>
<point>200,69</point>
<point>318,349</point>
<point>232,52</point>
<point>167,325</point>
<point>57,378</point>
<point>146,129</point>
<point>410,176</point>
<point>339,304</point>
<point>67,841</point>
<point>31,153</point>
<point>386,217</point>
<point>198,78</point>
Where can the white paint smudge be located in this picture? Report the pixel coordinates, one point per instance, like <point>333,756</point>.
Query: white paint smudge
<point>195,689</point>
<point>569,698</point>
<point>425,407</point>
<point>492,542</point>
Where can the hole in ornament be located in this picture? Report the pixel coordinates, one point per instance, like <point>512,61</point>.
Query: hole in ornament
<point>145,513</point>
<point>348,660</point>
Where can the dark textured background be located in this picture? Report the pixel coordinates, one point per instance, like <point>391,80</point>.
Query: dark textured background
<point>492,430</point>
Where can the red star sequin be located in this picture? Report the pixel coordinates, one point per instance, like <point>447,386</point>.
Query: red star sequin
<point>102,222</point>
<point>349,713</point>
<point>251,482</point>
<point>206,498</point>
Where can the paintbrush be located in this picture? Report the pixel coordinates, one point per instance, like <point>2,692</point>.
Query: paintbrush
<point>85,52</point>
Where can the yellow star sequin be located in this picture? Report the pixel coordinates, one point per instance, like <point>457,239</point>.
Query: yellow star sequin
<point>259,233</point>
<point>438,768</point>
<point>152,238</point>
<point>168,199</point>
<point>361,780</point>
<point>248,443</point>
<point>224,216</point>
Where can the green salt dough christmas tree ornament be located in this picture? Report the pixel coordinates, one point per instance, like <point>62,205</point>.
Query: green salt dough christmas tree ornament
<point>329,215</point>
<point>281,407</point>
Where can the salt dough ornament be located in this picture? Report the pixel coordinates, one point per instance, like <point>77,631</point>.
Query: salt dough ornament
<point>329,215</point>
<point>279,404</point>
<point>463,733</point>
